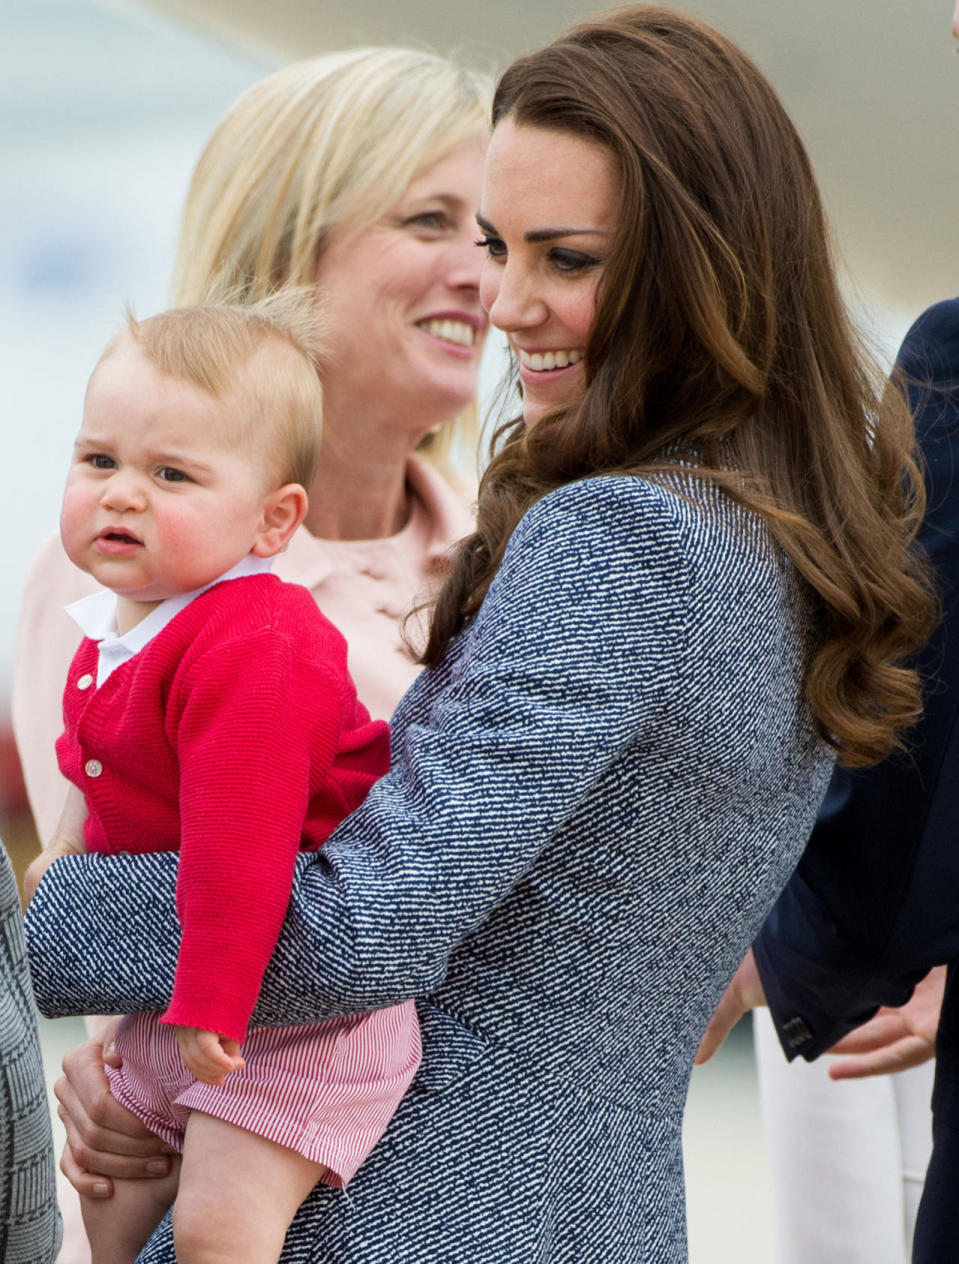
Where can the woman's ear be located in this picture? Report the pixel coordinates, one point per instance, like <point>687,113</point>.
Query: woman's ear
<point>283,511</point>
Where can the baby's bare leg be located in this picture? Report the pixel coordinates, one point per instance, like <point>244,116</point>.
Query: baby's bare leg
<point>119,1227</point>
<point>238,1194</point>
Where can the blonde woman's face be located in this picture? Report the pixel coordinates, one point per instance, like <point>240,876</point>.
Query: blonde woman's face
<point>400,307</point>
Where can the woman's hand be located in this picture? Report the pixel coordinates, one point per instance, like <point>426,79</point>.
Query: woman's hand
<point>104,1140</point>
<point>894,1039</point>
<point>38,867</point>
<point>745,992</point>
<point>208,1056</point>
<point>67,841</point>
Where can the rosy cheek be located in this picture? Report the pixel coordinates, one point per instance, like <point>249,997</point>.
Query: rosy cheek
<point>585,316</point>
<point>75,515</point>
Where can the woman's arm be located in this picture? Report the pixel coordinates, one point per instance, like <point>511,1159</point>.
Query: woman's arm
<point>581,644</point>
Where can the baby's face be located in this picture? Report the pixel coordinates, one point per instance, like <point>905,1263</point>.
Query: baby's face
<point>162,496</point>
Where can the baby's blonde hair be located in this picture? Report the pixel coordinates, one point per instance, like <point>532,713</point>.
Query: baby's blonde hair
<point>331,141</point>
<point>261,358</point>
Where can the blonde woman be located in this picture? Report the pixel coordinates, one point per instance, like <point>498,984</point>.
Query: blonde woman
<point>359,173</point>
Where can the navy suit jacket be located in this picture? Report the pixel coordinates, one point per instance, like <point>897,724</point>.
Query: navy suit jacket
<point>875,900</point>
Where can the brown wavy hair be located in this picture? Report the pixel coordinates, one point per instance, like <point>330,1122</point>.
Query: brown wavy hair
<point>720,334</point>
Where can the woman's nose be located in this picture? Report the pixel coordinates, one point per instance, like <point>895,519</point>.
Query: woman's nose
<point>510,298</point>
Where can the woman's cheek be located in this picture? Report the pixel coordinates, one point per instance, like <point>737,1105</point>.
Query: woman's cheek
<point>489,285</point>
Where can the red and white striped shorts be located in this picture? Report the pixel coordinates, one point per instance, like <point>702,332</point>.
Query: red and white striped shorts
<point>327,1090</point>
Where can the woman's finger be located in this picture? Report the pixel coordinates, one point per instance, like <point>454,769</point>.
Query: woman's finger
<point>105,1126</point>
<point>87,1184</point>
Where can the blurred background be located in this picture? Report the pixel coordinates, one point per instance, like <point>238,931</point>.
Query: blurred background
<point>104,108</point>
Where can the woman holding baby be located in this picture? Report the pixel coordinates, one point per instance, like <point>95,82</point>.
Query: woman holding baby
<point>689,590</point>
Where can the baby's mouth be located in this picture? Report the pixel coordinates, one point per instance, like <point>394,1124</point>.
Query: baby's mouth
<point>118,537</point>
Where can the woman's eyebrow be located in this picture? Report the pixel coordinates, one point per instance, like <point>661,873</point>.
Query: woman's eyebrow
<point>448,199</point>
<point>544,234</point>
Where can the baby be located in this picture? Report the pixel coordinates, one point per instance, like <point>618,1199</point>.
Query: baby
<point>209,710</point>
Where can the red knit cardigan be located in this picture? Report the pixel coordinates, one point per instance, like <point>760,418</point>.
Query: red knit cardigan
<point>236,736</point>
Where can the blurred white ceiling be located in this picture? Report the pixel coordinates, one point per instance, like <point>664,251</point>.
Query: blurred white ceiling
<point>874,88</point>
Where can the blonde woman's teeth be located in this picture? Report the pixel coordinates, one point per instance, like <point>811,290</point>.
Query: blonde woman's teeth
<point>450,331</point>
<point>539,362</point>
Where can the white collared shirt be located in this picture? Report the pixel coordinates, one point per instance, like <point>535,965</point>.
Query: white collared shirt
<point>96,616</point>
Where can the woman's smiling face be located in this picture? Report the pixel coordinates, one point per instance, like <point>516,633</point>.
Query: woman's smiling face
<point>399,302</point>
<point>549,211</point>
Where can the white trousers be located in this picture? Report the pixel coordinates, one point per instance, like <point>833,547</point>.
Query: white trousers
<point>847,1160</point>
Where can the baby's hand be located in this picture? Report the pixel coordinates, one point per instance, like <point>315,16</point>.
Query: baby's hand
<point>208,1056</point>
<point>53,851</point>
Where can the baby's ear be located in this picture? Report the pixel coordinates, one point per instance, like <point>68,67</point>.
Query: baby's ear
<point>283,511</point>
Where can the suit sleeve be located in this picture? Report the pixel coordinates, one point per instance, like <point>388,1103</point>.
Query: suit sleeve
<point>873,904</point>
<point>581,643</point>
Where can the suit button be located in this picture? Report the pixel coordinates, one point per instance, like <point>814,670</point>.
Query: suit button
<point>93,768</point>
<point>797,1032</point>
<point>85,681</point>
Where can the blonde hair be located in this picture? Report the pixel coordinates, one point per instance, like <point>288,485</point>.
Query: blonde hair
<point>262,357</point>
<point>335,140</point>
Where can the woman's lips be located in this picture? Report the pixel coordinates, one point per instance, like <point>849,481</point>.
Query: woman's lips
<point>458,334</point>
<point>550,361</point>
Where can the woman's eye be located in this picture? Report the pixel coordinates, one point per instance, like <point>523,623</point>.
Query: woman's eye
<point>494,247</point>
<point>100,461</point>
<point>431,221</point>
<point>573,261</point>
<point>168,474</point>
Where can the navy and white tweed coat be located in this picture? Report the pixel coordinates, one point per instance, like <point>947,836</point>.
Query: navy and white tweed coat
<point>594,801</point>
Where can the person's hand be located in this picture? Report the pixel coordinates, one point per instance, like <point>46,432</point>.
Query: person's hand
<point>745,992</point>
<point>894,1039</point>
<point>104,1140</point>
<point>67,840</point>
<point>208,1056</point>
<point>38,867</point>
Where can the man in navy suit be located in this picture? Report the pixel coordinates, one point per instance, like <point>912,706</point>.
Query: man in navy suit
<point>874,903</point>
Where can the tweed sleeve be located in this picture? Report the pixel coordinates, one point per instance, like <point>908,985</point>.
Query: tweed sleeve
<point>584,640</point>
<point>29,1221</point>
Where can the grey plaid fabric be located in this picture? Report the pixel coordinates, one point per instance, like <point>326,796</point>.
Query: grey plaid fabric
<point>594,801</point>
<point>29,1221</point>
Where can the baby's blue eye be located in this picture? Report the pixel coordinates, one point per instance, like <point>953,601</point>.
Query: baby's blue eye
<point>171,475</point>
<point>100,461</point>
